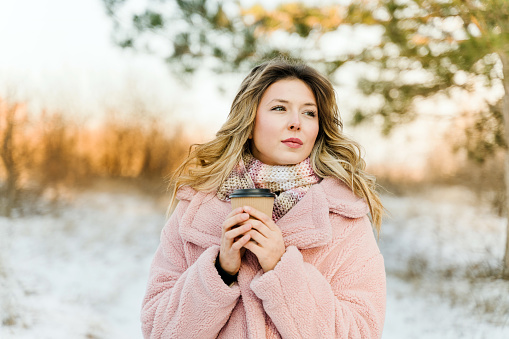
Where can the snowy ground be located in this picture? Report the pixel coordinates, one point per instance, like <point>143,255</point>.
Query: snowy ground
<point>80,271</point>
<point>442,250</point>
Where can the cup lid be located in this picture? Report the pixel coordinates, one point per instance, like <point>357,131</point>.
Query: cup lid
<point>252,192</point>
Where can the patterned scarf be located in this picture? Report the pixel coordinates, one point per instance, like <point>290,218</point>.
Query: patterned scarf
<point>289,182</point>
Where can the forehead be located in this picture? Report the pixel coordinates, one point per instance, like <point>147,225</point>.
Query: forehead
<point>290,90</point>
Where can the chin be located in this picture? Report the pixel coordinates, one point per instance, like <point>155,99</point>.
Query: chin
<point>283,158</point>
<point>290,160</point>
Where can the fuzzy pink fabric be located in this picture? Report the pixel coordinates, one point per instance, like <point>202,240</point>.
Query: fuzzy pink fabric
<point>330,283</point>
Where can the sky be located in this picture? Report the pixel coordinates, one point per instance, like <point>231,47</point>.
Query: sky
<point>57,54</point>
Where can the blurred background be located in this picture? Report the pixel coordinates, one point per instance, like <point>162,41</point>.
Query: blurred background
<point>101,99</point>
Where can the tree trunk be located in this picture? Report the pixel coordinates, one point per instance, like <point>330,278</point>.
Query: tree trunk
<point>505,113</point>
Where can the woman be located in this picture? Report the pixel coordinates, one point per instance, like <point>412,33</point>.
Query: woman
<point>313,269</point>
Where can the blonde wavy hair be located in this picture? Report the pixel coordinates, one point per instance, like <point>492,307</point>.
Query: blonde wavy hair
<point>333,154</point>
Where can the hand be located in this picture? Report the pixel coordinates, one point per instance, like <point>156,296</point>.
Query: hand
<point>267,241</point>
<point>233,239</point>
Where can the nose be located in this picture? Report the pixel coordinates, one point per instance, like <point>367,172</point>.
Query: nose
<point>294,124</point>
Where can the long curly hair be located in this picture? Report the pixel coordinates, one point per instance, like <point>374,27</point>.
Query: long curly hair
<point>333,154</point>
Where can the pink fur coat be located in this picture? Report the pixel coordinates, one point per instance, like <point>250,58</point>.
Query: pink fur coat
<point>330,283</point>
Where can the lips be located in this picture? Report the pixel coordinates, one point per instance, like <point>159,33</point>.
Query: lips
<point>293,142</point>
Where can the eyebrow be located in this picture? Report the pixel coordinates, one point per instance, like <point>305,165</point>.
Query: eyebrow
<point>286,102</point>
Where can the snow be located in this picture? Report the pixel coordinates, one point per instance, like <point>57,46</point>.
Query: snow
<point>439,248</point>
<point>79,270</point>
<point>79,273</point>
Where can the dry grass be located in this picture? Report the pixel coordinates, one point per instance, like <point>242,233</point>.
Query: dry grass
<point>52,150</point>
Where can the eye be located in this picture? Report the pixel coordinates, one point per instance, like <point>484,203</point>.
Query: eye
<point>310,113</point>
<point>278,108</point>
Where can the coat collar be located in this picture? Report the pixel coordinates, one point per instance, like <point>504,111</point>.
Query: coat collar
<point>306,225</point>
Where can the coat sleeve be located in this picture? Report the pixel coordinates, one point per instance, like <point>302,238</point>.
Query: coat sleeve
<point>185,301</point>
<point>343,296</point>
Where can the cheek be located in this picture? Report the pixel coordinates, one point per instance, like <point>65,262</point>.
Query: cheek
<point>313,131</point>
<point>259,134</point>
<point>263,129</point>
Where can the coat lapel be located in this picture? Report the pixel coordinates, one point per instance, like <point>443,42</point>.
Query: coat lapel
<point>307,224</point>
<point>201,223</point>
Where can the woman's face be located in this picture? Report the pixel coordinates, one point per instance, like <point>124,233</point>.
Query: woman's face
<point>286,123</point>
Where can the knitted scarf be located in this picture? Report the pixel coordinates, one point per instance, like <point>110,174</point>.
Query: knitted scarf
<point>289,182</point>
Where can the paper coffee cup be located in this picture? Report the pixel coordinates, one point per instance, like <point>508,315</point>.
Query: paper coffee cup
<point>260,198</point>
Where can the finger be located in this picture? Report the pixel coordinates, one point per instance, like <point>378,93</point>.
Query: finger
<point>261,228</point>
<point>235,220</point>
<point>258,237</point>
<point>242,224</point>
<point>236,233</point>
<point>237,245</point>
<point>253,247</point>
<point>235,211</point>
<point>260,216</point>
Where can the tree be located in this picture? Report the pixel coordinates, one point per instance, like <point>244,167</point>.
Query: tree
<point>426,48</point>
<point>456,45</point>
<point>185,33</point>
